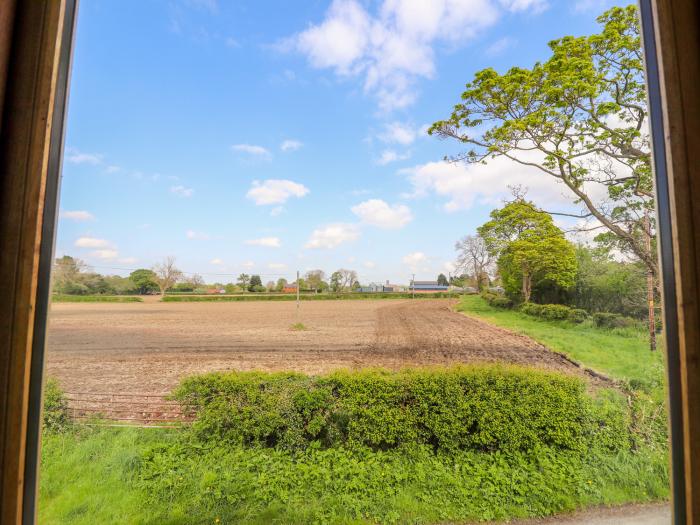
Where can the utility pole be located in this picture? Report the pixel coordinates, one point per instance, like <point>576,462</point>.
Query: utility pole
<point>650,285</point>
<point>413,287</point>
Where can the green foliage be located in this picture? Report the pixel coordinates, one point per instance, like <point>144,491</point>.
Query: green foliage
<point>622,354</point>
<point>530,248</point>
<point>55,414</point>
<point>144,477</point>
<point>582,111</point>
<point>144,280</point>
<point>606,285</point>
<point>611,320</point>
<point>60,298</point>
<point>555,312</point>
<point>442,280</point>
<point>255,284</point>
<point>497,300</point>
<point>577,315</point>
<point>298,327</point>
<point>476,408</point>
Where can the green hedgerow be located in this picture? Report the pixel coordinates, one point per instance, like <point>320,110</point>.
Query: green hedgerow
<point>462,408</point>
<point>55,416</point>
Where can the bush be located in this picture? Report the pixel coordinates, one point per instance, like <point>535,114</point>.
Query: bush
<point>610,320</point>
<point>55,417</point>
<point>462,408</point>
<point>577,315</point>
<point>502,302</point>
<point>555,312</point>
<point>531,309</point>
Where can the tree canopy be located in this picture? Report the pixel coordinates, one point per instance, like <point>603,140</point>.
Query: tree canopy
<point>529,247</point>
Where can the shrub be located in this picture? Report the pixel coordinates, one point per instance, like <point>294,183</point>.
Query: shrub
<point>502,302</point>
<point>532,309</point>
<point>577,315</point>
<point>462,408</point>
<point>55,417</point>
<point>610,320</point>
<point>555,312</point>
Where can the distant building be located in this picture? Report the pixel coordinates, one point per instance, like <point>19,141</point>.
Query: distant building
<point>427,286</point>
<point>289,288</point>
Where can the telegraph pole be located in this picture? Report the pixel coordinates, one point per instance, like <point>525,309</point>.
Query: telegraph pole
<point>413,287</point>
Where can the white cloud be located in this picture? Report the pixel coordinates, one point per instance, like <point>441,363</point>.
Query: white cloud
<point>90,242</point>
<point>197,236</point>
<point>535,6</point>
<point>415,261</point>
<point>216,261</point>
<point>128,260</point>
<point>248,265</point>
<point>462,184</point>
<point>399,133</point>
<point>332,235</point>
<point>269,242</point>
<point>277,266</point>
<point>582,6</point>
<point>369,264</point>
<point>291,145</point>
<point>78,157</point>
<point>389,155</point>
<point>275,191</point>
<point>393,48</point>
<point>77,215</point>
<point>112,169</point>
<point>277,210</point>
<point>107,254</point>
<point>252,149</point>
<point>181,191</point>
<point>500,45</point>
<point>378,213</point>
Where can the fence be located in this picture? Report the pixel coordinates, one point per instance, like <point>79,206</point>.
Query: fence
<point>130,408</point>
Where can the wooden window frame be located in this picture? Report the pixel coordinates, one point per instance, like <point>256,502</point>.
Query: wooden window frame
<point>36,39</point>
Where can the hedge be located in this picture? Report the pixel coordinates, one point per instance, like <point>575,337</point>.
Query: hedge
<point>499,301</point>
<point>611,320</point>
<point>554,312</point>
<point>308,297</point>
<point>480,408</point>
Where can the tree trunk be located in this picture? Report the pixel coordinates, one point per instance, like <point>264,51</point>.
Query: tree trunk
<point>527,286</point>
<point>650,288</point>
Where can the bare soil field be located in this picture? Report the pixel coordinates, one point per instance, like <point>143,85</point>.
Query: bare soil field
<point>148,347</point>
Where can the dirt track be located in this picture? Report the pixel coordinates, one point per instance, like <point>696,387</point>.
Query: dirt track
<point>149,347</point>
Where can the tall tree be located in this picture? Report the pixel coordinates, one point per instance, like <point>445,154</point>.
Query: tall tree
<point>166,274</point>
<point>315,279</point>
<point>581,119</point>
<point>144,280</point>
<point>243,281</point>
<point>255,283</point>
<point>529,247</point>
<point>474,258</point>
<point>442,280</point>
<point>281,283</point>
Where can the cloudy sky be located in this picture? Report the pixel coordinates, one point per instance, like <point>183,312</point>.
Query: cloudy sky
<point>266,137</point>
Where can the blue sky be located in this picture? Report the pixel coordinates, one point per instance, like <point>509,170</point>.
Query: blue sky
<point>266,137</point>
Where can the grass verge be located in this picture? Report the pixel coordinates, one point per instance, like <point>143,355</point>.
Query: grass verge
<point>418,446</point>
<point>61,298</point>
<point>619,353</point>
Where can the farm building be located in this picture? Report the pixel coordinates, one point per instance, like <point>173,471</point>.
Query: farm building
<point>289,288</point>
<point>427,286</point>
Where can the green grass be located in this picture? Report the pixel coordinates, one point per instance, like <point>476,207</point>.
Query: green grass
<point>61,298</point>
<point>620,353</point>
<point>305,297</point>
<point>149,477</point>
<point>298,327</point>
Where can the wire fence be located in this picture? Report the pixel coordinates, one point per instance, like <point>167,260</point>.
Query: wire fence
<point>145,409</point>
